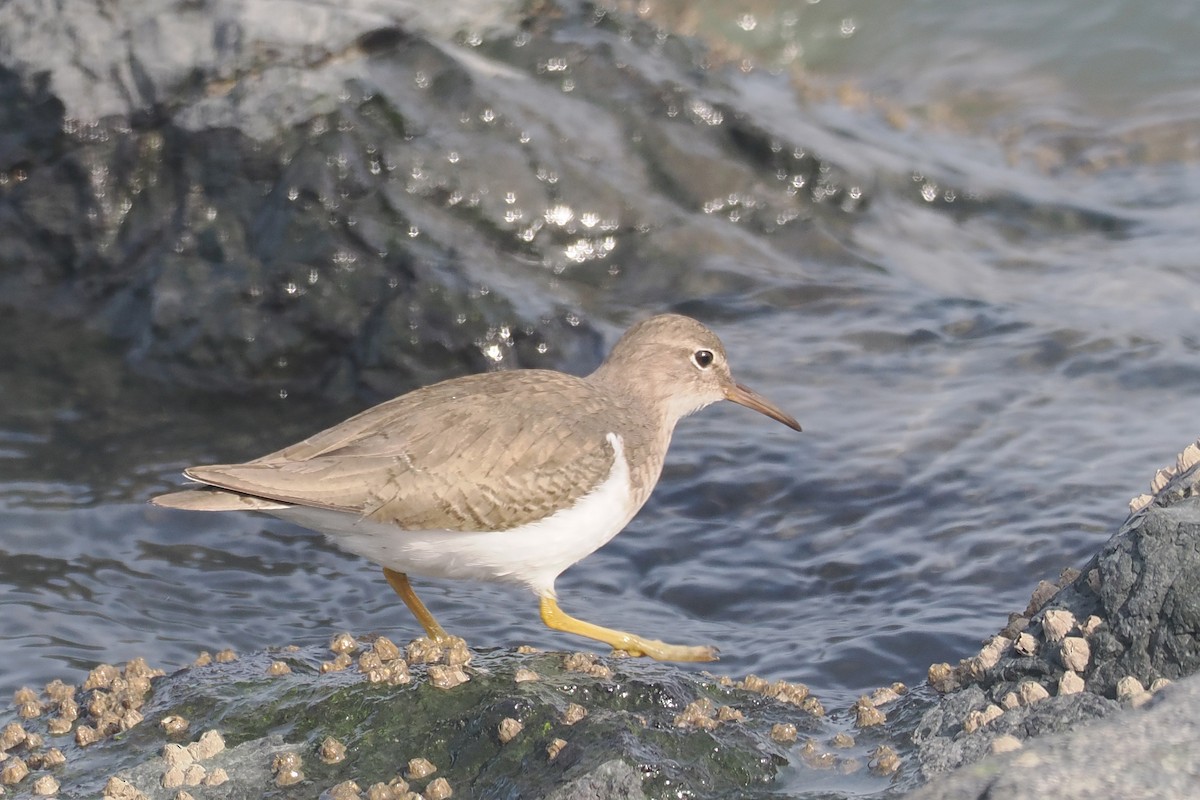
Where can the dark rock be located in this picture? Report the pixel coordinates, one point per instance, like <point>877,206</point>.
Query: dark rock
<point>945,746</point>
<point>1144,589</point>
<point>612,780</point>
<point>629,745</point>
<point>1148,753</point>
<point>1144,586</point>
<point>298,200</point>
<point>1149,597</point>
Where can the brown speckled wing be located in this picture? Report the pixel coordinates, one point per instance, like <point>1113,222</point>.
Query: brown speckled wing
<point>483,452</point>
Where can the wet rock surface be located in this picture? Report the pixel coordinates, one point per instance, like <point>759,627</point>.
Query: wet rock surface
<point>1107,640</point>
<point>1147,753</point>
<point>361,201</point>
<point>263,735</point>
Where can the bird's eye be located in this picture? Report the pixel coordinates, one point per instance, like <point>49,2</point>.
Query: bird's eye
<point>702,358</point>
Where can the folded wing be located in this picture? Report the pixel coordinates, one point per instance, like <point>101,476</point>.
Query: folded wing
<point>485,452</point>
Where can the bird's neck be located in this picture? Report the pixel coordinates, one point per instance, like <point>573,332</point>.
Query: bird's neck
<point>647,425</point>
<point>651,401</point>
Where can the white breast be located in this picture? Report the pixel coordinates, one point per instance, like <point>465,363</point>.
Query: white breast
<point>531,555</point>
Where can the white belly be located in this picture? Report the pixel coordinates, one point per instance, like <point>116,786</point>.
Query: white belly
<point>531,555</point>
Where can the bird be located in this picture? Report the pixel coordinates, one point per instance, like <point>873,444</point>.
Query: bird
<point>507,477</point>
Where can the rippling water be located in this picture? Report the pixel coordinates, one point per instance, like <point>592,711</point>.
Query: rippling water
<point>988,360</point>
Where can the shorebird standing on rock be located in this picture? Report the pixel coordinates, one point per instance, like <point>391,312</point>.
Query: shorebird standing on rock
<point>506,476</point>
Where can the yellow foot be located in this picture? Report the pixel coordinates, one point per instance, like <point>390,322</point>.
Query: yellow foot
<point>559,620</point>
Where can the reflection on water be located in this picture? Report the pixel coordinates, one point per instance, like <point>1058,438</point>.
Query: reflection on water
<point>985,374</point>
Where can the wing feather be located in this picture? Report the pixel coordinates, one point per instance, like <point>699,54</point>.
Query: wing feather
<point>484,452</point>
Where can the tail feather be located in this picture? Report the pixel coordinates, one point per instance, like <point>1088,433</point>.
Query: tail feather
<point>215,500</point>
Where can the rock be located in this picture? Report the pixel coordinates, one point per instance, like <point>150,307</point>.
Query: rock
<point>194,775</point>
<point>1070,683</point>
<point>385,648</point>
<point>438,789</point>
<point>45,786</point>
<point>943,744</point>
<point>174,725</point>
<point>101,677</point>
<point>554,748</point>
<point>276,719</point>
<point>342,644</point>
<point>867,715</point>
<point>1017,624</point>
<point>288,768</point>
<point>1150,629</point>
<point>1005,744</point>
<point>1031,692</point>
<point>445,677</point>
<point>118,788</point>
<point>346,790</point>
<point>48,759</point>
<point>419,768</point>
<point>523,675</point>
<point>1042,594</point>
<point>1057,623</point>
<point>1159,683</point>
<point>698,714</point>
<point>1075,653</point>
<point>888,694</point>
<point>13,771</point>
<point>365,259</point>
<point>12,735</point>
<point>1130,690</point>
<point>508,730</point>
<point>1135,753</point>
<point>943,678</point>
<point>172,777</point>
<point>784,732</point>
<point>215,777</point>
<point>176,755</point>
<point>208,745</point>
<point>613,780</point>
<point>884,760</point>
<point>977,719</point>
<point>331,751</point>
<point>1139,599</point>
<point>573,713</point>
<point>991,653</point>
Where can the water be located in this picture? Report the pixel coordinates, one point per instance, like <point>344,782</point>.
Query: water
<point>989,359</point>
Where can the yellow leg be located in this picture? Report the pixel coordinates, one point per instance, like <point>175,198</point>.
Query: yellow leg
<point>559,620</point>
<point>399,582</point>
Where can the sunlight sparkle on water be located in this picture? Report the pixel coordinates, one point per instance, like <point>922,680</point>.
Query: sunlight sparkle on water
<point>559,215</point>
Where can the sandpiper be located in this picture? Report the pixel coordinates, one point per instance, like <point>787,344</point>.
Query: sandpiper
<point>506,476</point>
